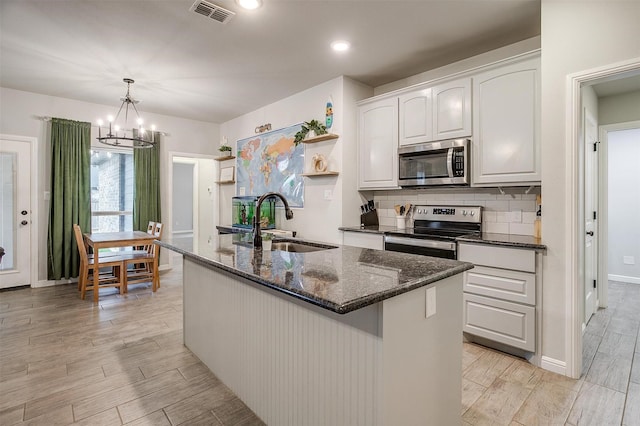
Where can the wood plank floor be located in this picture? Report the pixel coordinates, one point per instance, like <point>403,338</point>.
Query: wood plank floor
<point>65,361</point>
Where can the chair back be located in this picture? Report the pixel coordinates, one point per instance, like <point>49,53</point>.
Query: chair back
<point>80,243</point>
<point>151,227</point>
<point>157,230</point>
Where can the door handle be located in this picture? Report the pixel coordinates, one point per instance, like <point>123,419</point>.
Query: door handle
<point>590,233</point>
<point>24,222</point>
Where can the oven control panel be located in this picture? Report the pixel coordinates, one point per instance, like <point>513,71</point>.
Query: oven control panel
<point>472,214</point>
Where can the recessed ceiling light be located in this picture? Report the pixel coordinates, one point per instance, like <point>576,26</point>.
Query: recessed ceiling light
<point>340,45</point>
<point>250,4</point>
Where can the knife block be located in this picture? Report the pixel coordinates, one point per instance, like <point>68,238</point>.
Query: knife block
<point>370,218</point>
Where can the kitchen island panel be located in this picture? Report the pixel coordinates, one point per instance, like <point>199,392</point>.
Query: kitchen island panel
<point>298,364</point>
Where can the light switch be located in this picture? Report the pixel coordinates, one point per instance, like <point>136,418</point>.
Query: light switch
<point>328,194</point>
<point>431,302</point>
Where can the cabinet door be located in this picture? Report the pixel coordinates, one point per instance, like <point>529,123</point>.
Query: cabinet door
<point>378,144</point>
<point>452,109</point>
<point>506,322</point>
<point>506,125</point>
<point>416,117</point>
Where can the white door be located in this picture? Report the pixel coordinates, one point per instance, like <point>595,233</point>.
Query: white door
<point>15,212</point>
<point>590,207</point>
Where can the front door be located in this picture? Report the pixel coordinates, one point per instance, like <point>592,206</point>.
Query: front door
<point>590,207</point>
<point>15,212</point>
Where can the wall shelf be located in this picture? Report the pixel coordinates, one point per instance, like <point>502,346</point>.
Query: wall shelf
<point>320,138</point>
<point>225,158</point>
<point>316,174</point>
<point>222,182</point>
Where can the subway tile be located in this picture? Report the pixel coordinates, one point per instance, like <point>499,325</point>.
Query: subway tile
<point>497,206</point>
<point>489,216</point>
<point>474,203</point>
<point>521,228</point>
<point>528,217</point>
<point>496,228</point>
<point>387,221</point>
<point>525,206</point>
<point>502,217</point>
<point>485,196</point>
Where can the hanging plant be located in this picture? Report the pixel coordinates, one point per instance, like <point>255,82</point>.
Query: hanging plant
<point>309,129</point>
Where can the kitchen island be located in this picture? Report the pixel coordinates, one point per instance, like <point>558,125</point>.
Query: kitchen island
<point>337,336</point>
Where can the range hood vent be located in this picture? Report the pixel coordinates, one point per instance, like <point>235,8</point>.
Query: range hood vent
<point>212,11</point>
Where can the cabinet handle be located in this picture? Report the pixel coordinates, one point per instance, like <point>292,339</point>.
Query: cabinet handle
<point>590,233</point>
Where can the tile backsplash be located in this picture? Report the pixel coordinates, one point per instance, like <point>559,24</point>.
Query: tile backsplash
<point>513,212</point>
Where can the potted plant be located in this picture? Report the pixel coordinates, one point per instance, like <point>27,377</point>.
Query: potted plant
<point>225,150</point>
<point>267,237</point>
<point>310,129</point>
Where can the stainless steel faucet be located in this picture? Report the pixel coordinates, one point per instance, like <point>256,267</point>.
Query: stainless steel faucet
<point>257,237</point>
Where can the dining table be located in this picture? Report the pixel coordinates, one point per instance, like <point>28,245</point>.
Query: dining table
<point>101,240</point>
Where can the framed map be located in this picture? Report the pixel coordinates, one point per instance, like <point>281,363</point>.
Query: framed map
<point>270,162</point>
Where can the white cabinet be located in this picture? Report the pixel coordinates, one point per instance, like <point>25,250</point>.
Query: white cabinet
<point>378,144</point>
<point>506,125</point>
<point>500,298</point>
<point>363,239</point>
<point>435,113</point>
<point>416,117</point>
<point>452,109</point>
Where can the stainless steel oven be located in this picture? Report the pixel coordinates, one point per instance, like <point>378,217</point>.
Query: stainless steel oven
<point>435,230</point>
<point>434,163</point>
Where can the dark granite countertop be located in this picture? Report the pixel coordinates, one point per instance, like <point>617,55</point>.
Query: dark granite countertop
<point>342,279</point>
<point>518,241</point>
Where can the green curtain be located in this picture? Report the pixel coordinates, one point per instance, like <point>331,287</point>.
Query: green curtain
<point>146,193</point>
<point>70,194</point>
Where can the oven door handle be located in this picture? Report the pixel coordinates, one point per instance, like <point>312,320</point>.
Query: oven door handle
<point>450,162</point>
<point>416,242</point>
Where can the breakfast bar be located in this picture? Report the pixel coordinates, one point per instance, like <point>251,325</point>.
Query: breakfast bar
<point>309,333</point>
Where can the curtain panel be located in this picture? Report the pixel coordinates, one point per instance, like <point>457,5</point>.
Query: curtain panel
<point>70,195</point>
<point>146,193</point>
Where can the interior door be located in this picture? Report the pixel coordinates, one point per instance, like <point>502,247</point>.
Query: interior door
<point>15,212</point>
<point>590,223</point>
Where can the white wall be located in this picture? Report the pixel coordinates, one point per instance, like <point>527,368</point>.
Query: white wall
<point>182,219</point>
<point>619,108</point>
<point>624,203</point>
<point>320,218</point>
<point>576,36</point>
<point>18,116</point>
<point>463,65</point>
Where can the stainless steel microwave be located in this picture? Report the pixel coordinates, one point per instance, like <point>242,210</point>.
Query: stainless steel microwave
<point>434,163</point>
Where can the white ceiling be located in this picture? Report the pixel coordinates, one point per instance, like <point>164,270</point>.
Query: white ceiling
<point>190,66</point>
<point>617,86</point>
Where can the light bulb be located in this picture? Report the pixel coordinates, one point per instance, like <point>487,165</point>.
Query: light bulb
<point>340,45</point>
<point>117,128</point>
<point>100,122</point>
<point>153,127</point>
<point>110,118</point>
<point>140,121</point>
<point>250,4</point>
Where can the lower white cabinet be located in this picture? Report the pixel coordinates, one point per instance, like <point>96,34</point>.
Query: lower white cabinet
<point>363,239</point>
<point>500,294</point>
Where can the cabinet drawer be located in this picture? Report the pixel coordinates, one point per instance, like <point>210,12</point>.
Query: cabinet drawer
<point>363,239</point>
<point>505,322</point>
<point>498,257</point>
<point>503,284</point>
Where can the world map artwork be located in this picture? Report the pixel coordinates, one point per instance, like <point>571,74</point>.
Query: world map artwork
<point>271,162</point>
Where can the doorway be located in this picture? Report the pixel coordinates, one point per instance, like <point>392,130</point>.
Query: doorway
<point>581,350</point>
<point>192,201</point>
<point>17,215</point>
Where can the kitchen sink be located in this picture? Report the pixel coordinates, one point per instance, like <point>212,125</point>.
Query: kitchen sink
<point>299,246</point>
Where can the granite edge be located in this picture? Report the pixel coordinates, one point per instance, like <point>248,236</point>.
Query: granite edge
<point>333,307</point>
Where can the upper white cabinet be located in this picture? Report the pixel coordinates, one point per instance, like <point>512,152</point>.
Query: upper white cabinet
<point>416,117</point>
<point>452,109</point>
<point>436,113</point>
<point>506,125</point>
<point>378,144</point>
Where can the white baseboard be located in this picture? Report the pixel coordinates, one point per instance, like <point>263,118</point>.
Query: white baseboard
<point>51,283</point>
<point>624,279</point>
<point>553,365</point>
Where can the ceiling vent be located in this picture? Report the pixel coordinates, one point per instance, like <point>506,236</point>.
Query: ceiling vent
<point>212,11</point>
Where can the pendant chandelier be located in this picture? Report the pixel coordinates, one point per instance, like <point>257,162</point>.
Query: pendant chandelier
<point>121,137</point>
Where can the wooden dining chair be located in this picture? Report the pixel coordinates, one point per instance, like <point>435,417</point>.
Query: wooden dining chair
<point>115,278</point>
<point>145,264</point>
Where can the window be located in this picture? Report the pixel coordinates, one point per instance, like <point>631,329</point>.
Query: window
<point>111,191</point>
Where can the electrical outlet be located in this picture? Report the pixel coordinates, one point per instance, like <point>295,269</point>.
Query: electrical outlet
<point>431,302</point>
<point>328,194</point>
<point>628,260</point>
